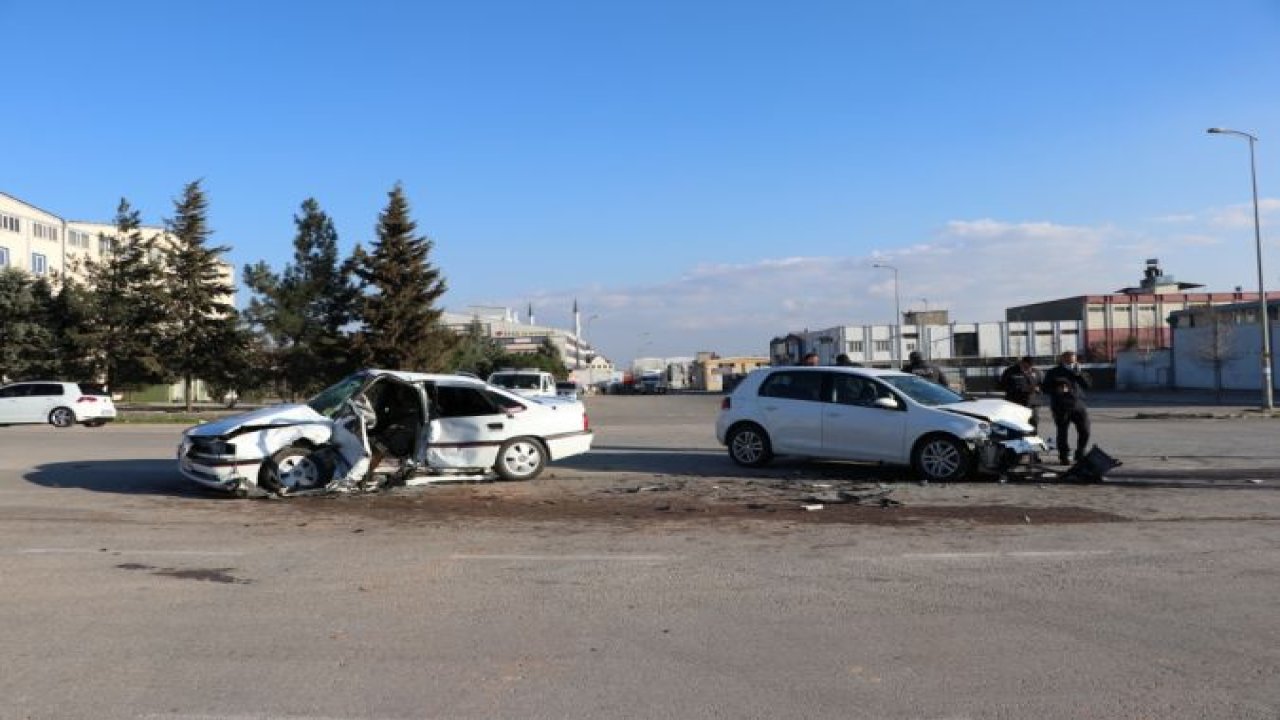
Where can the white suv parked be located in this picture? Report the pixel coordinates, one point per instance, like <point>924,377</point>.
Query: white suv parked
<point>61,404</point>
<point>881,416</point>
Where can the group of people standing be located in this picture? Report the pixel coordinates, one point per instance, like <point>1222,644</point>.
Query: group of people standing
<point>1064,384</point>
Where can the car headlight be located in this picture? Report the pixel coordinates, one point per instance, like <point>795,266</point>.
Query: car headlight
<point>984,428</point>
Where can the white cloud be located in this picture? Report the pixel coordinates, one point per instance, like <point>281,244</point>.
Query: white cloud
<point>974,268</point>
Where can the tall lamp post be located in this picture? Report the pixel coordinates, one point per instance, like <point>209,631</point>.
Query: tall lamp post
<point>897,316</point>
<point>1267,402</point>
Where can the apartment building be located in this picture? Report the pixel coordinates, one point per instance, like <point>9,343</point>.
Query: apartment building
<point>44,244</point>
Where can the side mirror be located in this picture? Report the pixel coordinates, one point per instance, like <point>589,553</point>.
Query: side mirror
<point>887,402</point>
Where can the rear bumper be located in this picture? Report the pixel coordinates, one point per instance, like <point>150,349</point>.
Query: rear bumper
<point>567,444</point>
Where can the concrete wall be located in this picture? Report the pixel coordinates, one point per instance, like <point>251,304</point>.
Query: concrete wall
<point>1236,364</point>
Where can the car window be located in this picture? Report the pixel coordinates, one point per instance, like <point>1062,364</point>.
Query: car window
<point>47,389</point>
<point>13,391</point>
<point>462,402</point>
<point>93,389</point>
<point>507,404</point>
<point>855,390</point>
<point>925,392</point>
<point>791,385</point>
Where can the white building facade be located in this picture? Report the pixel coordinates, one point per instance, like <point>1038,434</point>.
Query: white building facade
<point>873,345</point>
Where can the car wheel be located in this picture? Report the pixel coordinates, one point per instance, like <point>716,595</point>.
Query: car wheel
<point>294,468</point>
<point>941,458</point>
<point>520,459</point>
<point>62,417</point>
<point>749,445</point>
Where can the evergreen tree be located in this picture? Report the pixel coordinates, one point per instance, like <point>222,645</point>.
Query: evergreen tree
<point>197,293</point>
<point>476,352</point>
<point>401,326</point>
<point>126,306</point>
<point>23,337</point>
<point>305,311</point>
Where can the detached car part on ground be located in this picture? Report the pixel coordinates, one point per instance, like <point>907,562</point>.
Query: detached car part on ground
<point>378,428</point>
<point>869,415</point>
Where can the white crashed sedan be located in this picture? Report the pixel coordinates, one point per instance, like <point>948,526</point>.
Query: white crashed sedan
<point>380,427</point>
<point>881,416</point>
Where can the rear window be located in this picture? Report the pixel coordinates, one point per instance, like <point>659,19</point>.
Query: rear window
<point>93,389</point>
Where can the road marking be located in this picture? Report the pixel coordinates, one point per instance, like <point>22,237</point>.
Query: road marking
<point>562,558</point>
<point>171,716</point>
<point>1011,554</point>
<point>111,551</point>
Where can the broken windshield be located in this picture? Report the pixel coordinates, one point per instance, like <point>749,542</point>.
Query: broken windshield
<point>332,398</point>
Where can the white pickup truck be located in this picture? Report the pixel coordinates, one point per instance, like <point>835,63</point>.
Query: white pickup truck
<point>529,382</point>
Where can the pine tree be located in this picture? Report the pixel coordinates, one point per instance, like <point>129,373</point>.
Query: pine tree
<point>126,306</point>
<point>401,326</point>
<point>23,337</point>
<point>198,293</point>
<point>305,311</point>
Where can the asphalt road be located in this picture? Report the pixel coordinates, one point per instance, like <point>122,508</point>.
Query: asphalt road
<point>129,594</point>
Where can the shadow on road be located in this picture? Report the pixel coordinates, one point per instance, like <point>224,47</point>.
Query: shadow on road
<point>716,463</point>
<point>125,477</point>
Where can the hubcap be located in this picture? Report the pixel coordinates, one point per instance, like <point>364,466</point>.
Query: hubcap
<point>747,447</point>
<point>522,458</point>
<point>61,418</point>
<point>940,459</point>
<point>297,471</point>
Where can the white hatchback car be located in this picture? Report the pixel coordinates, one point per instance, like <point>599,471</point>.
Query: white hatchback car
<point>869,415</point>
<point>61,404</point>
<point>380,427</point>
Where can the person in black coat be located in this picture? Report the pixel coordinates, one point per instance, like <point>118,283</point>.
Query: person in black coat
<point>1021,383</point>
<point>1065,385</point>
<point>918,366</point>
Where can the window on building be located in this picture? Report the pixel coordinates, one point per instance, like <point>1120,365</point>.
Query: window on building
<point>39,264</point>
<point>911,346</point>
<point>78,238</point>
<point>856,346</point>
<point>105,245</point>
<point>882,346</point>
<point>4,257</point>
<point>44,232</point>
<point>10,223</point>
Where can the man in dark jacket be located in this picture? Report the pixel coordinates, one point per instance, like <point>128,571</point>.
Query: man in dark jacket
<point>1021,384</point>
<point>917,366</point>
<point>1065,386</point>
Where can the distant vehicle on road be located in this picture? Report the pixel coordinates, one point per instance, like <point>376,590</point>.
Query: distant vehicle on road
<point>529,382</point>
<point>61,404</point>
<point>652,382</point>
<point>568,389</point>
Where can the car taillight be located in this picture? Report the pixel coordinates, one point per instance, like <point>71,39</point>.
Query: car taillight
<point>87,398</point>
<point>725,404</point>
<point>586,424</point>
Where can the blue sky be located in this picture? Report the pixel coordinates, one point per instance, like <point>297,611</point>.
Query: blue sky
<point>700,175</point>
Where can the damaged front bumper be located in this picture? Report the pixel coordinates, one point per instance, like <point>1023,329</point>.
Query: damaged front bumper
<point>218,470</point>
<point>1007,450</point>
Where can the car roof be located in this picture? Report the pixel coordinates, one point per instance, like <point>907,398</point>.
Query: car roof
<point>411,377</point>
<point>872,372</point>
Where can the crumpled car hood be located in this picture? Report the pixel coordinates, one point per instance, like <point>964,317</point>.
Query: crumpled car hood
<point>993,410</point>
<point>266,417</point>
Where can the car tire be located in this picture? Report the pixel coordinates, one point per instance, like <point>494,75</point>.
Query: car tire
<point>749,445</point>
<point>521,458</point>
<point>62,417</point>
<point>297,467</point>
<point>941,458</point>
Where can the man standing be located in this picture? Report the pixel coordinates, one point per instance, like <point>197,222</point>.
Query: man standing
<point>1021,384</point>
<point>917,366</point>
<point>1065,385</point>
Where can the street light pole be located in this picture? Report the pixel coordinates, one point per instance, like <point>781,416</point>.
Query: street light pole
<point>1263,319</point>
<point>897,317</point>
